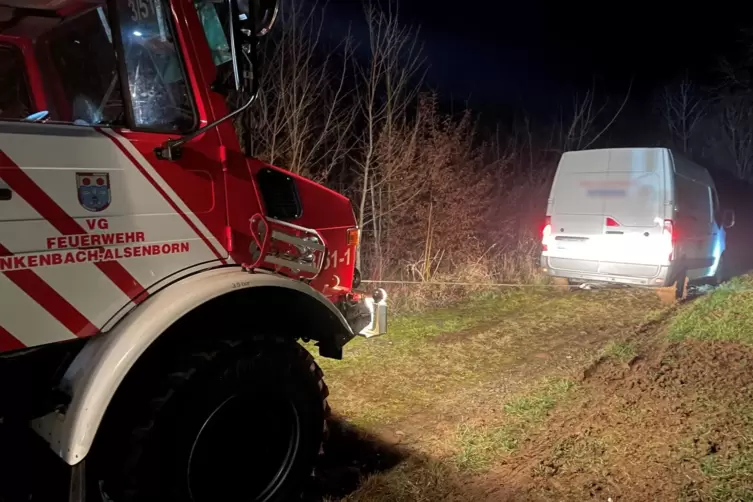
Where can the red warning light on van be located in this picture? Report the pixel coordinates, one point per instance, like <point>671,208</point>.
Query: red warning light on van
<point>611,222</point>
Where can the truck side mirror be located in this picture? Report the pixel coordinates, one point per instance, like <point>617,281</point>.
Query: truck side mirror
<point>728,218</point>
<point>250,21</point>
<point>264,14</point>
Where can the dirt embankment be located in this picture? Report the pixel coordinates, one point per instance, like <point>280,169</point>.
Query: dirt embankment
<point>498,402</point>
<point>673,424</point>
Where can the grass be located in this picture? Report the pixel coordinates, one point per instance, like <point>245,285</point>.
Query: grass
<point>483,398</point>
<point>468,386</point>
<point>415,480</point>
<point>730,473</point>
<point>732,478</point>
<point>575,452</point>
<point>435,355</point>
<point>405,331</point>
<point>723,315</point>
<point>726,314</point>
<point>382,378</point>
<point>623,352</point>
<point>533,407</point>
<point>478,447</point>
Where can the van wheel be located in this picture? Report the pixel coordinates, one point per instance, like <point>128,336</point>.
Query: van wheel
<point>682,287</point>
<point>677,291</point>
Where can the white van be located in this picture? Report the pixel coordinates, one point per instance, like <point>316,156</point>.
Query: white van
<point>640,216</point>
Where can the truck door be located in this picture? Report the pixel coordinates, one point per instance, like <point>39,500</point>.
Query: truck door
<point>90,221</point>
<point>164,101</point>
<point>22,321</point>
<point>15,98</point>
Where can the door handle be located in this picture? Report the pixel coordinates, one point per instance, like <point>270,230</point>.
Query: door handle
<point>6,194</point>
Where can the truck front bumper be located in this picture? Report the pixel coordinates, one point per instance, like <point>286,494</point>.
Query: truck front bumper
<point>367,313</point>
<point>376,303</point>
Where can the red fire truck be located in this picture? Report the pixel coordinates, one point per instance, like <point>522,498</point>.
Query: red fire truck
<point>155,279</point>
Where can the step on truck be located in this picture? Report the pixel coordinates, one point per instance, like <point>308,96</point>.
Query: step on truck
<point>156,280</point>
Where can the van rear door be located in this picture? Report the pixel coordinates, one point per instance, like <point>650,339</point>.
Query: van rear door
<point>607,211</point>
<point>634,235</point>
<point>577,213</point>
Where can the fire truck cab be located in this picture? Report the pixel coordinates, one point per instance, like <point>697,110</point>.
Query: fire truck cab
<point>155,278</point>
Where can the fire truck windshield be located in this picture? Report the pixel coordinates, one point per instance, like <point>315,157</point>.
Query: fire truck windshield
<point>158,89</point>
<point>70,67</point>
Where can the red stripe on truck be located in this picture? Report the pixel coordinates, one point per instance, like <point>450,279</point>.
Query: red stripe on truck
<point>24,186</point>
<point>150,179</point>
<point>50,300</point>
<point>9,342</point>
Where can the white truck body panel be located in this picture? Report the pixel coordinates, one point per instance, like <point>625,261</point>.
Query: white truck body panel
<point>95,375</point>
<point>72,272</point>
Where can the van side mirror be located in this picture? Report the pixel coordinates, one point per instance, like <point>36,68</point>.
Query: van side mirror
<point>728,218</point>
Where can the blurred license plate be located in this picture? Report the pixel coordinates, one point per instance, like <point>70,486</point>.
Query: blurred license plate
<point>568,243</point>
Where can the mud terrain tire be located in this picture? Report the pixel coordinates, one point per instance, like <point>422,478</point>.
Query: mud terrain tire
<point>228,420</point>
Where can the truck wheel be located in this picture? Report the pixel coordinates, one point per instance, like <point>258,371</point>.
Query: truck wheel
<point>241,421</point>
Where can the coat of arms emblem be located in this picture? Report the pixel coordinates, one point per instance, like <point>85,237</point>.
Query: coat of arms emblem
<point>94,191</point>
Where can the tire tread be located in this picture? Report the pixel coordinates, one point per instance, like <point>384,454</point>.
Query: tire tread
<point>184,365</point>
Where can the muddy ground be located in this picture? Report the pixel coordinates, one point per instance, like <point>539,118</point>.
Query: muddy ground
<point>546,396</point>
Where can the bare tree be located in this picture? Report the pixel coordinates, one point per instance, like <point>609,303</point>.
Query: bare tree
<point>682,107</point>
<point>441,192</point>
<point>389,83</point>
<point>736,125</point>
<point>733,112</point>
<point>579,129</point>
<point>306,112</point>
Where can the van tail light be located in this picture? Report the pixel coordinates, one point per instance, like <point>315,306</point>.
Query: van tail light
<point>611,222</point>
<point>669,238</point>
<point>546,233</point>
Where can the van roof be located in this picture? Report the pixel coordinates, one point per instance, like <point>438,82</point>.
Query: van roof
<point>616,160</point>
<point>593,160</point>
<point>597,151</point>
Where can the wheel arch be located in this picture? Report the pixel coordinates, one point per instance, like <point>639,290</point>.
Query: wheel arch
<point>212,298</point>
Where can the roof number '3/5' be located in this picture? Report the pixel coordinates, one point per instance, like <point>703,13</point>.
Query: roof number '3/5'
<point>141,10</point>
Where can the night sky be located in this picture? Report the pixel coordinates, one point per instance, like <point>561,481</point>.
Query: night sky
<point>536,53</point>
